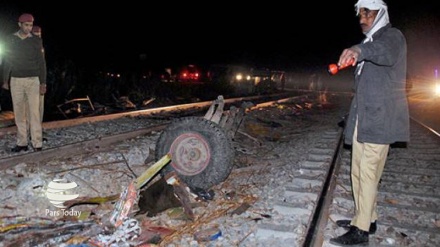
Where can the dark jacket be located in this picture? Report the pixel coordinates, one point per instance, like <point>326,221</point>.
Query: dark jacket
<point>380,101</point>
<point>24,58</point>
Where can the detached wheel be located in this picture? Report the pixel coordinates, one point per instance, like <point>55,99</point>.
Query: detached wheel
<point>201,153</point>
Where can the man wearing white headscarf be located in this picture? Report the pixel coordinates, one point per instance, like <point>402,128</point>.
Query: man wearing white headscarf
<point>378,114</point>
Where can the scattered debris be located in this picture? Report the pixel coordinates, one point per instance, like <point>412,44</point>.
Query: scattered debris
<point>147,102</point>
<point>124,103</point>
<point>208,234</point>
<point>76,107</point>
<point>130,195</point>
<point>243,207</point>
<point>203,194</point>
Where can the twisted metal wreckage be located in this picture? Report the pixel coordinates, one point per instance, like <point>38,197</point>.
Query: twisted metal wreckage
<point>188,165</point>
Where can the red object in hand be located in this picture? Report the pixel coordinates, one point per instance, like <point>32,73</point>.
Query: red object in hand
<point>334,68</point>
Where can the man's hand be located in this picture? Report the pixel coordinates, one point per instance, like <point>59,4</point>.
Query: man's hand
<point>42,89</point>
<point>5,85</point>
<point>349,56</point>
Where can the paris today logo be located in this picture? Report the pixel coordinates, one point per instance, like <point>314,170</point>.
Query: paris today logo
<point>60,190</point>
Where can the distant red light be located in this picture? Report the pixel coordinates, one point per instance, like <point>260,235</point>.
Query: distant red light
<point>189,74</point>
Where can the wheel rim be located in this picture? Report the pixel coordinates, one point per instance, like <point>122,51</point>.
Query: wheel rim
<point>190,154</point>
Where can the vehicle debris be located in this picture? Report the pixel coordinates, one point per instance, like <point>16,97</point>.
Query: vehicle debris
<point>130,195</point>
<point>76,107</point>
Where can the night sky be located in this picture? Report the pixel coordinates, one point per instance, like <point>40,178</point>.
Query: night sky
<point>277,35</point>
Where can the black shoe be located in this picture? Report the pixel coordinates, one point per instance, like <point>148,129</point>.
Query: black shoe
<point>354,236</point>
<point>346,224</point>
<point>37,149</point>
<point>17,149</point>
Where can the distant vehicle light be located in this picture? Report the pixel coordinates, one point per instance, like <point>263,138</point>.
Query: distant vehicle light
<point>189,73</point>
<point>248,77</point>
<point>239,77</point>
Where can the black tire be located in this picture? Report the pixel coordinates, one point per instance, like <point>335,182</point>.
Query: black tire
<point>202,154</point>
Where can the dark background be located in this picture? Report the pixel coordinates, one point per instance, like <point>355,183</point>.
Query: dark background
<point>279,35</point>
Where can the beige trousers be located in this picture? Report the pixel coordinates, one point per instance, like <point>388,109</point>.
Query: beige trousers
<point>41,112</point>
<point>25,94</point>
<point>41,107</point>
<point>367,164</point>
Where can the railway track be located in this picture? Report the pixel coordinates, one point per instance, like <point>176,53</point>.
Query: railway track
<point>283,192</point>
<point>408,199</point>
<point>67,134</point>
<point>297,196</point>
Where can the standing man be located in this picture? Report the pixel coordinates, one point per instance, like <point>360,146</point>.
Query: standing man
<point>378,114</point>
<point>25,66</point>
<point>36,30</point>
